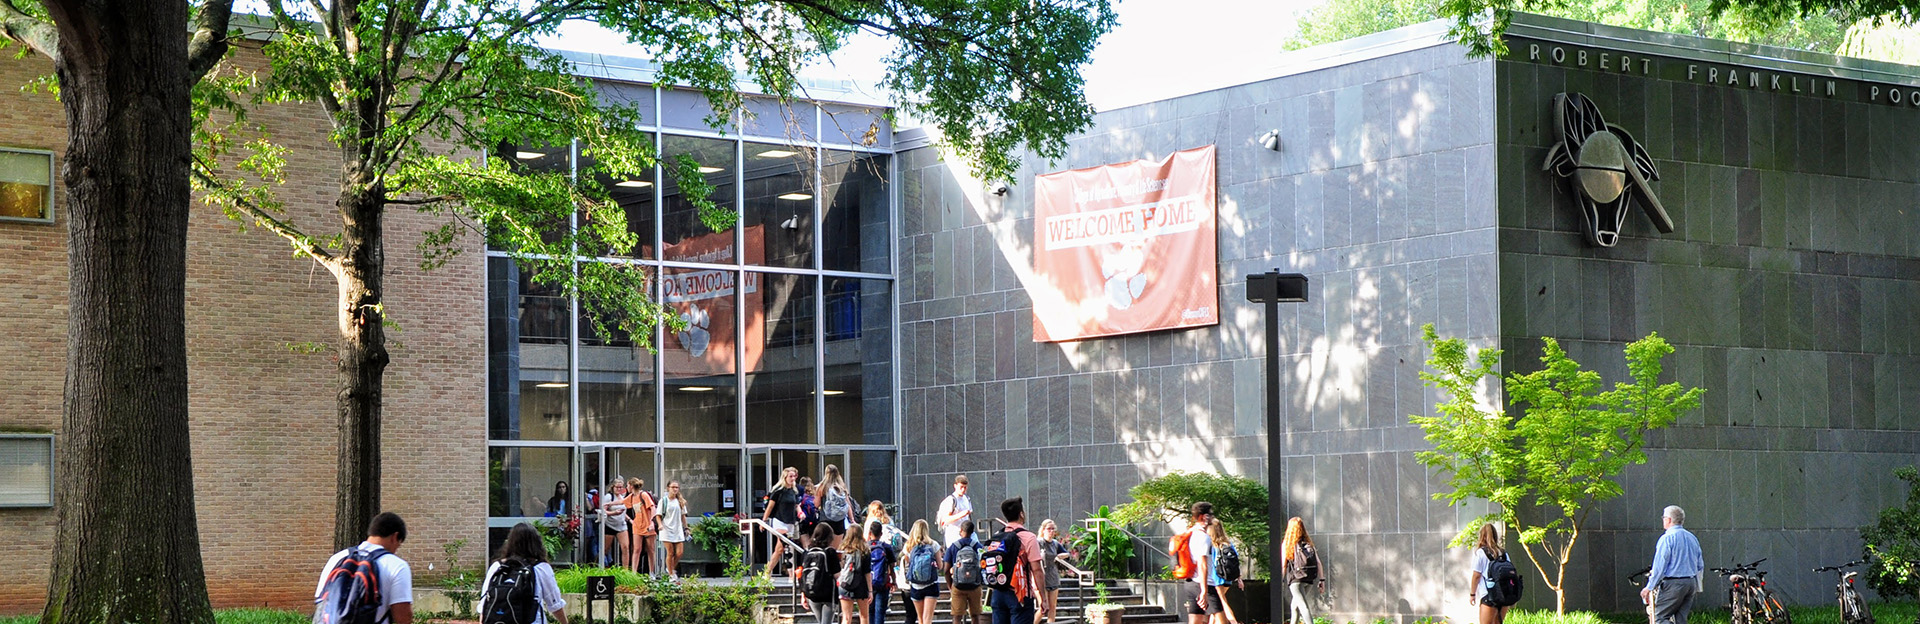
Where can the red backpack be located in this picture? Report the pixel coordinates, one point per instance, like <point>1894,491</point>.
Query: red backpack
<point>1182,555</point>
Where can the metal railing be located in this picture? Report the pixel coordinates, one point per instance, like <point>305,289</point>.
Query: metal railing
<point>1146,565</point>
<point>747,533</point>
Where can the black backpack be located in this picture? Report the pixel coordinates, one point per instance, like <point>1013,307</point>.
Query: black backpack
<point>1001,563</point>
<point>1502,582</point>
<point>512,595</point>
<point>816,581</point>
<point>1228,563</point>
<point>351,592</point>
<point>1306,563</point>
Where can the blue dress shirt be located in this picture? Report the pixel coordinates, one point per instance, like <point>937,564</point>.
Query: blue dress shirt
<point>1677,554</point>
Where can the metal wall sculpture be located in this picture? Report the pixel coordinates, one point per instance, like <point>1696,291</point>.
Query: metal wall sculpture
<point>1608,170</point>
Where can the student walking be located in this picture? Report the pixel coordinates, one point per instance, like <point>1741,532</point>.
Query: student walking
<point>1012,562</point>
<point>955,509</point>
<point>782,513</point>
<point>809,513</point>
<point>1198,558</point>
<point>922,571</point>
<point>1486,551</point>
<point>1301,561</point>
<point>617,521</point>
<point>1677,564</point>
<point>642,505</point>
<point>520,586</point>
<point>962,565</point>
<point>673,527</point>
<point>1225,572</point>
<point>836,504</point>
<point>819,569</point>
<point>854,580</point>
<point>881,560</point>
<point>373,560</point>
<point>1052,549</point>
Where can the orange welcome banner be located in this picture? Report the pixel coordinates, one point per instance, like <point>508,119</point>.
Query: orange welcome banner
<point>1125,248</point>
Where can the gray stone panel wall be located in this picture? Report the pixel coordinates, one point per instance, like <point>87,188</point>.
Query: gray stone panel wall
<point>1789,290</point>
<point>1383,193</point>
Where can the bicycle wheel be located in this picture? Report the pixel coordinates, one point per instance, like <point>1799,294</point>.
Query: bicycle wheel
<point>1772,609</point>
<point>1853,610</point>
<point>1737,607</point>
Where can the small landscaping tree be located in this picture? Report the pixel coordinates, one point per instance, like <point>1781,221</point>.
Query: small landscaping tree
<point>1239,502</point>
<point>1549,466</point>
<point>1893,544</point>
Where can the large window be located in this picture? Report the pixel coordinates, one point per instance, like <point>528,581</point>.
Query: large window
<point>787,346</point>
<point>26,470</point>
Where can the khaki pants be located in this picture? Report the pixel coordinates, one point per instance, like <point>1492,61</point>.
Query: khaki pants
<point>966,606</point>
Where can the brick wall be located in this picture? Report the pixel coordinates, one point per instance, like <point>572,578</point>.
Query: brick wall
<point>263,416</point>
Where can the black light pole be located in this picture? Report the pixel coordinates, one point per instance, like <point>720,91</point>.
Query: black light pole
<point>1272,288</point>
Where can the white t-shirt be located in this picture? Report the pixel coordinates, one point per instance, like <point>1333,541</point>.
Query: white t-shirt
<point>616,508</point>
<point>1480,564</point>
<point>1199,550</point>
<point>396,578</point>
<point>954,504</point>
<point>546,589</point>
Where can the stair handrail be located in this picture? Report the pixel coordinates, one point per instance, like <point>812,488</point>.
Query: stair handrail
<point>746,525</point>
<point>1123,529</point>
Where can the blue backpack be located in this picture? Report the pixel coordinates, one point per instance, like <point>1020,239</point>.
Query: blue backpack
<point>921,566</point>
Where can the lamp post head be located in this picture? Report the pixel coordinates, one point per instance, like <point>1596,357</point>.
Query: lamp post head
<point>1276,287</point>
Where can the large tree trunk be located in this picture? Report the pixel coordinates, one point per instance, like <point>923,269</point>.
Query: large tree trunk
<point>127,545</point>
<point>363,355</point>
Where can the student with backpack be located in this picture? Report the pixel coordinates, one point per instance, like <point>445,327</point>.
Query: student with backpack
<point>922,571</point>
<point>1192,556</point>
<point>819,569</point>
<point>836,505</point>
<point>1225,572</point>
<point>856,593</point>
<point>368,584</point>
<point>519,587</point>
<point>1303,566</point>
<point>962,565</point>
<point>1496,583</point>
<point>882,557</point>
<point>1011,563</point>
<point>954,509</point>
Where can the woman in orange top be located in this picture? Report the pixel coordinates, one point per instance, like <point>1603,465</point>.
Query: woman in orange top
<point>644,531</point>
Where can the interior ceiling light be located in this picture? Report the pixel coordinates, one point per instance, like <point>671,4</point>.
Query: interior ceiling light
<point>551,384</point>
<point>697,389</point>
<point>711,170</point>
<point>528,155</point>
<point>634,184</point>
<point>833,392</point>
<point>778,153</point>
<point>796,196</point>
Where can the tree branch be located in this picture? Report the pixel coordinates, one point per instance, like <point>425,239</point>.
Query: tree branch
<point>419,202</point>
<point>30,31</point>
<point>209,43</point>
<point>300,240</point>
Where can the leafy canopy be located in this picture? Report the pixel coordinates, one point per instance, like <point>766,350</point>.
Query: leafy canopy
<point>1823,27</point>
<point>1548,467</point>
<point>1239,502</point>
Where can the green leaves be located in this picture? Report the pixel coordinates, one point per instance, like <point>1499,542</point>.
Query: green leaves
<point>1548,466</point>
<point>1239,502</point>
<point>1892,543</point>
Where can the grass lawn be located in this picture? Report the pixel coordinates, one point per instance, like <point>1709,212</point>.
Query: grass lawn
<point>220,616</point>
<point>1883,613</point>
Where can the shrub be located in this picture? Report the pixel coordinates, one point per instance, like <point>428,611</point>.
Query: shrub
<point>1239,502</point>
<point>1104,548</point>
<point>1893,543</point>
<point>573,580</point>
<point>1547,616</point>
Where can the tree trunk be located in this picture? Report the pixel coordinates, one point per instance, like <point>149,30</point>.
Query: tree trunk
<point>127,544</point>
<point>363,354</point>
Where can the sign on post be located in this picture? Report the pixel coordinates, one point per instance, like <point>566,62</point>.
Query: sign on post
<point>600,588</point>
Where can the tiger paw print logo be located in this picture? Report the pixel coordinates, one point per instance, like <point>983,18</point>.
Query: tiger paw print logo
<point>1125,281</point>
<point>696,337</point>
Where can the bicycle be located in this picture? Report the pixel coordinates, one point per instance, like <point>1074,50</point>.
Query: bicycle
<point>1749,596</point>
<point>1853,609</point>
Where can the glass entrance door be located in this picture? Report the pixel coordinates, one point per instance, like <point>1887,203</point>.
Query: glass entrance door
<point>592,488</point>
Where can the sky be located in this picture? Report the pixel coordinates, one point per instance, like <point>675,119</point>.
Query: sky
<point>1160,49</point>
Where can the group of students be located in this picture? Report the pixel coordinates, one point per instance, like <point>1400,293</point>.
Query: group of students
<point>849,569</point>
<point>1205,556</point>
<point>635,521</point>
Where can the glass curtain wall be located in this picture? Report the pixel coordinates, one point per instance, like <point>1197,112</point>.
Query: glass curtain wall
<point>787,349</point>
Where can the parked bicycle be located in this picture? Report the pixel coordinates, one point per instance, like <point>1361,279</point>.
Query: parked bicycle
<point>1853,609</point>
<point>1749,600</point>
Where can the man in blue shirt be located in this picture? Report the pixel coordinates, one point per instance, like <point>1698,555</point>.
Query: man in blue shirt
<point>1673,580</point>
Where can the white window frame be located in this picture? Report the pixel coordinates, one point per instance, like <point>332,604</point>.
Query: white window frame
<point>52,186</point>
<point>52,466</point>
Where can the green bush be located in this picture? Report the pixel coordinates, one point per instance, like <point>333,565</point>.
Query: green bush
<point>1104,548</point>
<point>1893,543</point>
<point>573,580</point>
<point>1239,502</point>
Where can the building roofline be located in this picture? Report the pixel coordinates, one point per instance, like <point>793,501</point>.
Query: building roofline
<point>638,70</point>
<point>1689,47</point>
